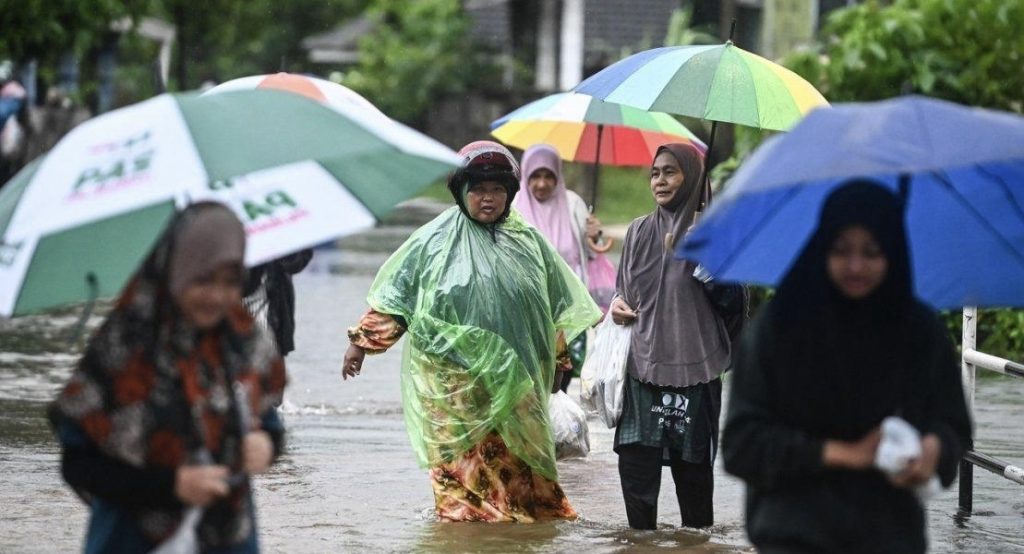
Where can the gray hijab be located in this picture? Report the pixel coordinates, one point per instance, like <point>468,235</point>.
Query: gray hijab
<point>213,236</point>
<point>678,338</point>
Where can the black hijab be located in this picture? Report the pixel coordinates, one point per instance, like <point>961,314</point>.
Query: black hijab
<point>842,357</point>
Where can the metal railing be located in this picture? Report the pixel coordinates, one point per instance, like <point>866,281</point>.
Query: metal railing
<point>970,360</point>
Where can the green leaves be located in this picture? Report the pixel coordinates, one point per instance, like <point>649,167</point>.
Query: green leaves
<point>418,51</point>
<point>967,51</point>
<point>44,29</point>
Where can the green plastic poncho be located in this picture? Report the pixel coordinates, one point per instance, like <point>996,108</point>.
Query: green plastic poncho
<point>482,315</point>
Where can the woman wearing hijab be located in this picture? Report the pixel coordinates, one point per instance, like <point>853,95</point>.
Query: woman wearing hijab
<point>843,345</point>
<point>171,406</point>
<point>563,218</point>
<point>678,351</point>
<point>487,305</point>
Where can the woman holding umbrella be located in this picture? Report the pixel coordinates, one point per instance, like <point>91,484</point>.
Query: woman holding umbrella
<point>563,218</point>
<point>843,345</point>
<point>488,306</point>
<point>679,349</point>
<point>172,405</point>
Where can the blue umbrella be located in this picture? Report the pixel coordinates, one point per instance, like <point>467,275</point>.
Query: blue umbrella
<point>960,170</point>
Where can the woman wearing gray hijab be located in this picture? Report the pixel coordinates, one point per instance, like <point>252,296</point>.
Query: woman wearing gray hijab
<point>678,352</point>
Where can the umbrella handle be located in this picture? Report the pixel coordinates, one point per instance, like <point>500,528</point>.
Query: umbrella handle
<point>94,290</point>
<point>600,247</point>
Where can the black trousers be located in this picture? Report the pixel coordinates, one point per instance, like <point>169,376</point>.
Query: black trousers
<point>640,474</point>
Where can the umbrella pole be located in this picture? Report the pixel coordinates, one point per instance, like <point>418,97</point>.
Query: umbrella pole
<point>705,177</point>
<point>94,291</point>
<point>597,168</point>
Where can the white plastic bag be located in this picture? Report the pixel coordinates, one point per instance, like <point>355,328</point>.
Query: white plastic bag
<point>569,425</point>
<point>900,444</point>
<point>184,540</point>
<point>604,371</point>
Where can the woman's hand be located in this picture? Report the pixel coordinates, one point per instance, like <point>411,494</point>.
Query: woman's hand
<point>593,227</point>
<point>353,361</point>
<point>622,314</point>
<point>921,469</point>
<point>258,451</point>
<point>859,454</point>
<point>201,485</point>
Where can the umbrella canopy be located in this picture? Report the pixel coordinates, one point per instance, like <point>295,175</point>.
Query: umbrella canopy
<point>960,171</point>
<point>323,91</point>
<point>575,124</point>
<point>79,221</point>
<point>719,83</point>
<point>346,101</point>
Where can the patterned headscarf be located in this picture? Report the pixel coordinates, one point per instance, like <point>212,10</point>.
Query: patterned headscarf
<point>126,393</point>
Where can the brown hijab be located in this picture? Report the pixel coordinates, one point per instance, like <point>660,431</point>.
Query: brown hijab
<point>678,338</point>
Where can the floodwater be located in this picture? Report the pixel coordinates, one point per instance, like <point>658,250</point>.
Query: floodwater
<point>350,483</point>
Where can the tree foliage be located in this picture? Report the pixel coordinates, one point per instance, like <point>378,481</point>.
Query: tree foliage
<point>418,51</point>
<point>215,39</point>
<point>45,29</point>
<point>224,39</point>
<point>967,51</point>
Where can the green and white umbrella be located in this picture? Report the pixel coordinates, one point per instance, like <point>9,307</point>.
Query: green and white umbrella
<point>77,222</point>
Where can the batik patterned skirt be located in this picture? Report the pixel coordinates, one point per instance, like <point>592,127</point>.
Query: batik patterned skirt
<point>489,483</point>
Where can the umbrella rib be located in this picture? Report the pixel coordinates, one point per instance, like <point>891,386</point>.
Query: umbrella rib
<point>769,215</point>
<point>1010,199</point>
<point>985,224</point>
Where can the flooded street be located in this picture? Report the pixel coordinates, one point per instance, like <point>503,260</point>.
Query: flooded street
<point>349,481</point>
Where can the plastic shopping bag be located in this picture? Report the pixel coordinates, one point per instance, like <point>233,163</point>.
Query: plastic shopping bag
<point>569,426</point>
<point>900,444</point>
<point>601,276</point>
<point>604,371</point>
<point>184,540</point>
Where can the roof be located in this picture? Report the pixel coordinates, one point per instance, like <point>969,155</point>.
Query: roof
<point>340,44</point>
<point>609,27</point>
<point>613,25</point>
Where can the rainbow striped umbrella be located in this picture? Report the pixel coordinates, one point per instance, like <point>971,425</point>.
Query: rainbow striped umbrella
<point>585,129</point>
<point>719,83</point>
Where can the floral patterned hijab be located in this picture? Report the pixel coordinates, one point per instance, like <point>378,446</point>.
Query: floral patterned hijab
<point>152,391</point>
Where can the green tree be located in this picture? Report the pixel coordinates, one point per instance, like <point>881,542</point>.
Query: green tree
<point>418,51</point>
<point>45,29</point>
<point>682,32</point>
<point>966,51</point>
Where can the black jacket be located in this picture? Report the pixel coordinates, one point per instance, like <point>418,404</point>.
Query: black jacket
<point>779,417</point>
<point>280,295</point>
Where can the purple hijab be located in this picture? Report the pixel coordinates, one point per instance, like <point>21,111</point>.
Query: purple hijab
<point>553,217</point>
<point>678,339</point>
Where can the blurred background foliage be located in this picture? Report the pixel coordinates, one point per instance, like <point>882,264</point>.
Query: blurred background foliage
<point>418,51</point>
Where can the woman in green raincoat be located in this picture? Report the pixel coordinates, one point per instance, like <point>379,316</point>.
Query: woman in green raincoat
<point>488,305</point>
